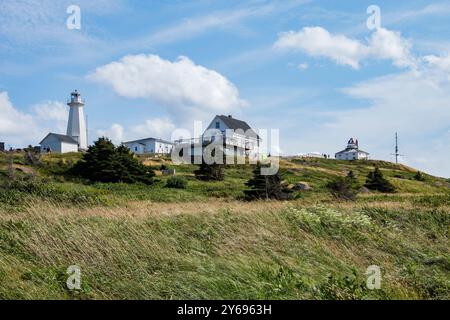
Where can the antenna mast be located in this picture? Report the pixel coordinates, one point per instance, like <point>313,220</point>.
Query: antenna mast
<point>396,148</point>
<point>396,154</point>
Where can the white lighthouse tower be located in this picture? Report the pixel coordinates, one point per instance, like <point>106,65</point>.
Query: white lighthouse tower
<point>76,127</point>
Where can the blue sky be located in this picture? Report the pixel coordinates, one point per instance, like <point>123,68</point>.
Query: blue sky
<point>311,69</point>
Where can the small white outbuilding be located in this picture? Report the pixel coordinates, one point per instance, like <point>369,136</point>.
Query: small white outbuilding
<point>149,145</point>
<point>58,143</point>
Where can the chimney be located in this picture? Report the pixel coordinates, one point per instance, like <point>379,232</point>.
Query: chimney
<point>229,116</point>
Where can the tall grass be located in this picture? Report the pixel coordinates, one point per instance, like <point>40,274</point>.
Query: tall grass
<point>134,241</point>
<point>220,250</point>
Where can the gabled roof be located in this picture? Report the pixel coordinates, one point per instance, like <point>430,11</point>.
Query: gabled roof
<point>61,137</point>
<point>233,123</point>
<point>145,139</point>
<point>236,124</point>
<point>351,150</point>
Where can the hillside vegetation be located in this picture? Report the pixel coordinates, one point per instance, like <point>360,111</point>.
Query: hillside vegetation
<point>202,240</point>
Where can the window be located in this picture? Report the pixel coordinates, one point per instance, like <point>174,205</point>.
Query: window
<point>135,149</point>
<point>217,125</point>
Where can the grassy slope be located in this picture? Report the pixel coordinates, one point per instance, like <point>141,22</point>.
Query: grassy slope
<point>153,242</point>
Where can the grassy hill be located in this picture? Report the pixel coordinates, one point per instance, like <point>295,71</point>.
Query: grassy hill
<point>137,241</point>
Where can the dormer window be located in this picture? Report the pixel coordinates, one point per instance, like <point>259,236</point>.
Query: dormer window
<point>217,125</point>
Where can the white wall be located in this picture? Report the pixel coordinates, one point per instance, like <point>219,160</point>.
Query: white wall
<point>54,146</point>
<point>222,126</point>
<point>76,126</point>
<point>351,155</point>
<point>236,139</point>
<point>151,146</point>
<point>362,155</point>
<point>162,147</point>
<point>68,147</point>
<point>57,146</point>
<point>135,147</point>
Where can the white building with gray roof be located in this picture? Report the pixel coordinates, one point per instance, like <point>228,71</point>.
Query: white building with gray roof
<point>150,146</point>
<point>58,143</point>
<point>352,152</point>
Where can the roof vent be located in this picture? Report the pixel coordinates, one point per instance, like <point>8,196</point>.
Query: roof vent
<point>229,116</point>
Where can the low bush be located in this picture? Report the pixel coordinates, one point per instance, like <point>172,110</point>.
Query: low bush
<point>419,176</point>
<point>376,181</point>
<point>210,172</point>
<point>345,188</point>
<point>266,186</point>
<point>343,288</point>
<point>176,182</point>
<point>19,191</point>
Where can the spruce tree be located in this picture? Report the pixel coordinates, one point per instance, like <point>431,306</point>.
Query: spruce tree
<point>266,186</point>
<point>211,172</point>
<point>103,162</point>
<point>345,188</point>
<point>376,181</point>
<point>351,175</point>
<point>419,176</point>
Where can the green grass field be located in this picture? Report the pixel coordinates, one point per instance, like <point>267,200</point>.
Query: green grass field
<point>205,242</point>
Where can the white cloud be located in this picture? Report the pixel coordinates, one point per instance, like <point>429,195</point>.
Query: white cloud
<point>51,110</point>
<point>115,133</point>
<point>441,63</point>
<point>51,114</point>
<point>14,123</point>
<point>303,66</point>
<point>318,42</point>
<point>389,45</point>
<point>23,128</point>
<point>413,103</point>
<point>187,90</point>
<point>156,128</point>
